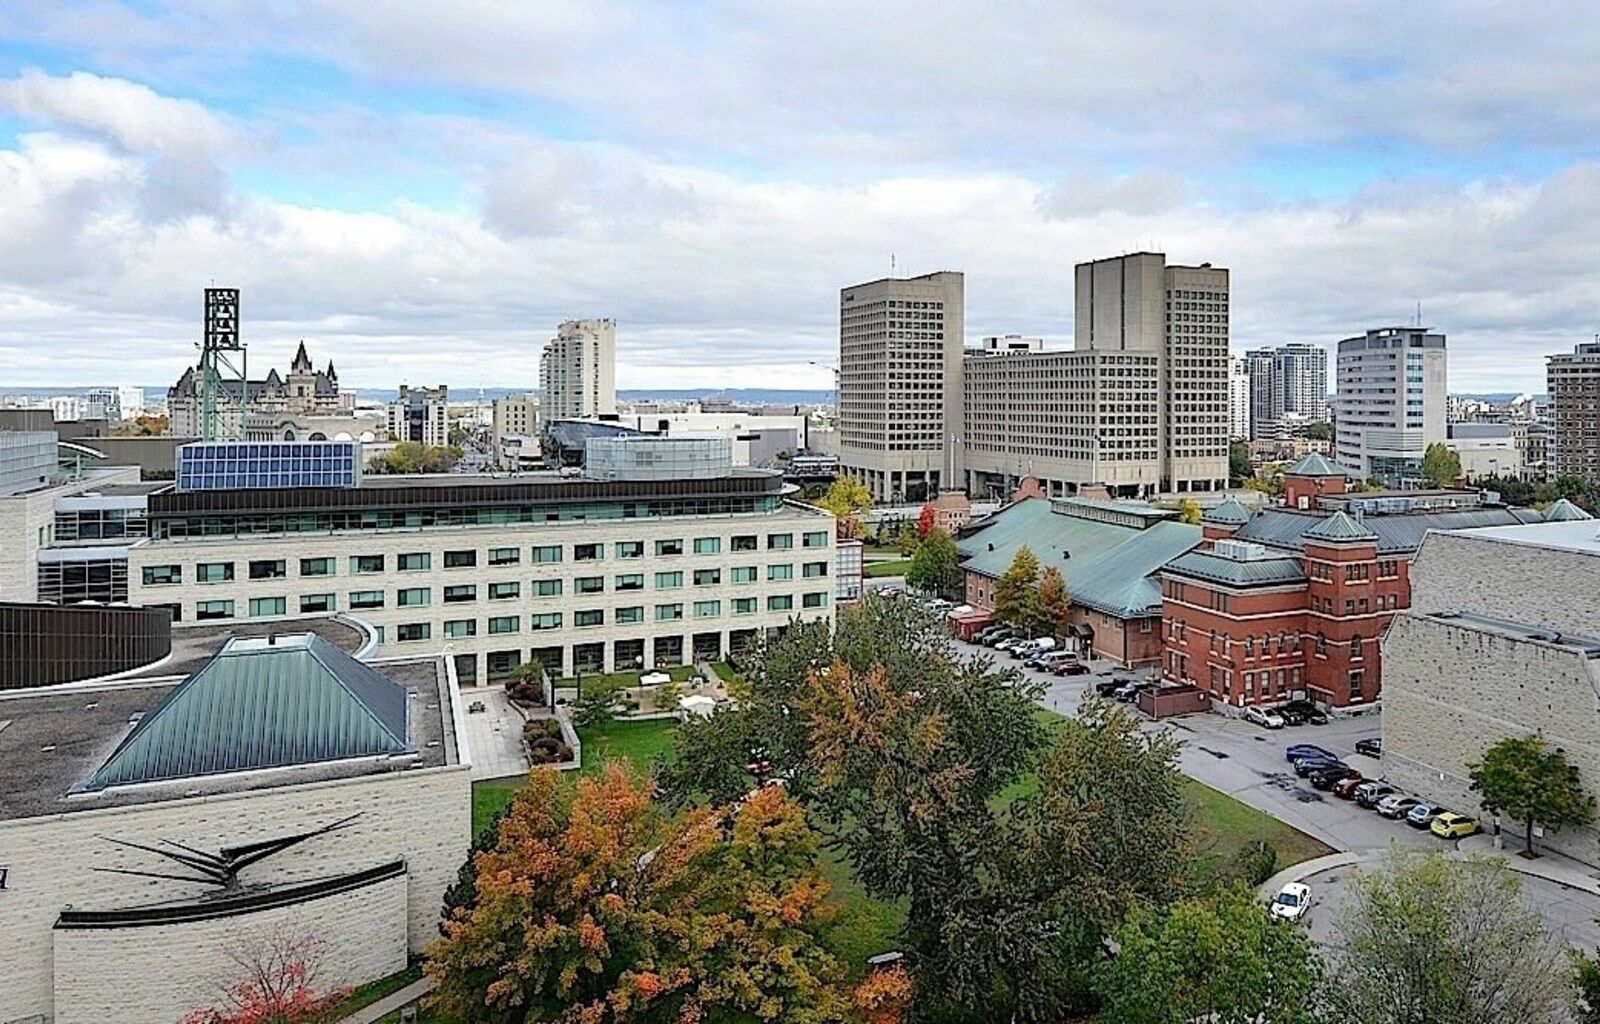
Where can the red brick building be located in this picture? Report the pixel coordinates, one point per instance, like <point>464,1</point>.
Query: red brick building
<point>1290,602</point>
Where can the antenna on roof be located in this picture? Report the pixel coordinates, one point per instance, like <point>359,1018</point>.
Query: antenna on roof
<point>1419,314</point>
<point>891,264</point>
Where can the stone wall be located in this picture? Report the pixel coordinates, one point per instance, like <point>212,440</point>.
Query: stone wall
<point>1540,586</point>
<point>137,975</point>
<point>422,815</point>
<point>1451,690</point>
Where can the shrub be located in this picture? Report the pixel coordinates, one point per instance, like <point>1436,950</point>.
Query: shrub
<point>1252,865</point>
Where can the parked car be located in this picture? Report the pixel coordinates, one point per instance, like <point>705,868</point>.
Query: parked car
<point>1128,691</point>
<point>985,632</point>
<point>1306,765</point>
<point>1451,825</point>
<point>1326,778</point>
<point>1397,805</point>
<point>1290,715</point>
<point>1010,643</point>
<point>1422,814</point>
<point>1291,902</point>
<point>1370,747</point>
<point>1037,645</point>
<point>1041,659</point>
<point>1295,751</point>
<point>1312,713</point>
<point>1069,667</point>
<point>1264,717</point>
<point>1109,687</point>
<point>993,637</point>
<point>1345,788</point>
<point>1368,794</point>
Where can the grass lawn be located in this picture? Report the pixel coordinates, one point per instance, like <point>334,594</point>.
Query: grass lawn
<point>365,995</point>
<point>679,673</point>
<point>1224,826</point>
<point>897,567</point>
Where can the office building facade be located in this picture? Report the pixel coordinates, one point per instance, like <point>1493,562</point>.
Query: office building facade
<point>421,415</point>
<point>1573,384</point>
<point>578,573</point>
<point>901,344</point>
<point>1140,303</point>
<point>1390,402</point>
<point>578,371</point>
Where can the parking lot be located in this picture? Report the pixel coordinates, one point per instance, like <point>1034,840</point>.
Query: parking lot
<point>1246,761</point>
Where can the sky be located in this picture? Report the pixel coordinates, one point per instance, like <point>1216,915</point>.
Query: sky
<point>423,190</point>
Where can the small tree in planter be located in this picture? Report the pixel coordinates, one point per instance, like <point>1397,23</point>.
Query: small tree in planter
<point>527,685</point>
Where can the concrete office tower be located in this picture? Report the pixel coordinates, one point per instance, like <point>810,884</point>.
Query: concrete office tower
<point>1573,385</point>
<point>421,415</point>
<point>1390,403</point>
<point>578,371</point>
<point>1303,371</point>
<point>1138,303</point>
<point>900,383</point>
<point>1238,401</point>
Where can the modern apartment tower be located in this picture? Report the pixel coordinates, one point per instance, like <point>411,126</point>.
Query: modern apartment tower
<point>1390,403</point>
<point>1303,370</point>
<point>578,371</point>
<point>900,383</point>
<point>1266,391</point>
<point>1572,382</point>
<point>1140,304</point>
<point>1238,401</point>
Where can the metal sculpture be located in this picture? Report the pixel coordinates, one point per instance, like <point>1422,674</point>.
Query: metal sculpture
<point>222,868</point>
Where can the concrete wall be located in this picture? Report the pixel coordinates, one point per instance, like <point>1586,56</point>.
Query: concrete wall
<point>1451,691</point>
<point>423,815</point>
<point>144,974</point>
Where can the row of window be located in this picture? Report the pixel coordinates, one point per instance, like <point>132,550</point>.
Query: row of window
<point>272,569</point>
<point>262,607</point>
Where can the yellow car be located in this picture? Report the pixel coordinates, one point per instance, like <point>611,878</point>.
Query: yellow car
<point>1451,825</point>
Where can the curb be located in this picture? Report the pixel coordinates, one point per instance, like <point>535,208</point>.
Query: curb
<point>381,1008</point>
<point>1317,865</point>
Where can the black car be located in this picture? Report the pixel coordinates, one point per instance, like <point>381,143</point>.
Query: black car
<point>1291,715</point>
<point>1326,777</point>
<point>1309,711</point>
<point>1304,766</point>
<point>1107,687</point>
<point>1370,747</point>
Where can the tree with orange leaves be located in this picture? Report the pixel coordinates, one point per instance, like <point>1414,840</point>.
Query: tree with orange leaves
<point>276,984</point>
<point>592,908</point>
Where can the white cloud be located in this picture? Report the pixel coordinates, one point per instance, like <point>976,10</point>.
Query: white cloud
<point>136,117</point>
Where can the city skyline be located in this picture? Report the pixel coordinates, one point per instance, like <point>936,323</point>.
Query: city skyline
<point>405,191</point>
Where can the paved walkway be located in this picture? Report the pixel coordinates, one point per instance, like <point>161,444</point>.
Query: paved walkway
<point>373,1012</point>
<point>494,735</point>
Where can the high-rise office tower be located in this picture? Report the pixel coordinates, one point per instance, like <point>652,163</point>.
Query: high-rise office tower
<point>1572,382</point>
<point>1390,402</point>
<point>1139,303</point>
<point>578,371</point>
<point>900,383</point>
<point>1303,371</point>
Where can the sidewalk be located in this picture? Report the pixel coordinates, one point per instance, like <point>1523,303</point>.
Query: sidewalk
<point>1550,866</point>
<point>373,1012</point>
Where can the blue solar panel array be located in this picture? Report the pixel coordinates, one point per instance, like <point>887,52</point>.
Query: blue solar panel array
<point>231,465</point>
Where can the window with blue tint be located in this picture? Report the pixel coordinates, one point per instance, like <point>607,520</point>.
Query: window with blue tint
<point>505,624</point>
<point>629,616</point>
<point>262,606</point>
<point>780,603</point>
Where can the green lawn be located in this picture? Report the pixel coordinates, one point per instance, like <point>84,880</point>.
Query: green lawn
<point>679,673</point>
<point>372,991</point>
<point>897,567</point>
<point>1224,826</point>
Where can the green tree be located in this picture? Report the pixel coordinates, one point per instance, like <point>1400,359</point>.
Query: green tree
<point>1054,603</point>
<point>1525,780</point>
<point>599,700</point>
<point>1428,939</point>
<point>411,457</point>
<point>1586,985</point>
<point>1218,958</point>
<point>1240,467</point>
<point>1189,512</point>
<point>1321,430</point>
<point>936,566</point>
<point>1016,593</point>
<point>1441,466</point>
<point>848,499</point>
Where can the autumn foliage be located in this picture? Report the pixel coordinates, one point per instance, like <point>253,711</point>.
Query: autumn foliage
<point>595,908</point>
<point>278,986</point>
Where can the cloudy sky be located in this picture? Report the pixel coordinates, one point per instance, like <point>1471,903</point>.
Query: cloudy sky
<point>423,189</point>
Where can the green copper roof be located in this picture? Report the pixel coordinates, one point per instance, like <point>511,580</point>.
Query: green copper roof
<point>298,700</point>
<point>1340,527</point>
<point>1564,511</point>
<point>1257,572</point>
<point>1314,464</point>
<point>1230,513</point>
<point>1108,567</point>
